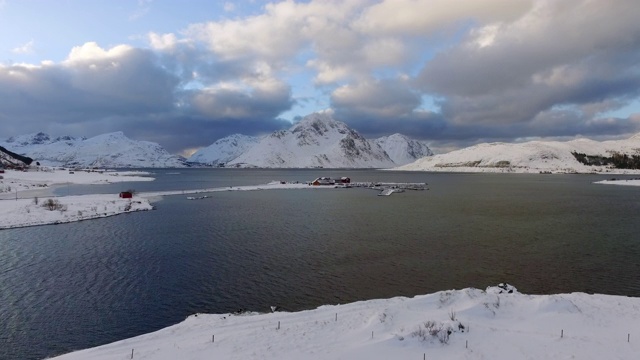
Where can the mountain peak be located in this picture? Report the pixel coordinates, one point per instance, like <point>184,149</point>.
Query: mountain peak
<point>319,123</point>
<point>30,139</point>
<point>402,149</point>
<point>318,140</point>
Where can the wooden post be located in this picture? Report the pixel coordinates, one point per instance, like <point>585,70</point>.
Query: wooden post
<point>132,353</point>
<point>628,337</point>
<point>213,338</point>
<point>466,344</point>
<point>562,333</point>
<point>372,334</point>
<point>424,356</point>
<point>336,316</point>
<point>278,325</point>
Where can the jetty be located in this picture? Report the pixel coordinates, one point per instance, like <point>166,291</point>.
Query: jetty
<point>385,188</point>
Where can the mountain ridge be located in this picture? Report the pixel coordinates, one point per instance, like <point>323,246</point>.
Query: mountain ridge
<point>318,140</point>
<point>531,157</point>
<point>105,150</point>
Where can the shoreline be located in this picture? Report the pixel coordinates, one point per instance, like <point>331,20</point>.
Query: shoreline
<point>496,323</point>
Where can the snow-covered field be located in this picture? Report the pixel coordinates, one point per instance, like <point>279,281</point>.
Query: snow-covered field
<point>456,324</point>
<point>26,212</point>
<point>19,181</point>
<point>25,199</point>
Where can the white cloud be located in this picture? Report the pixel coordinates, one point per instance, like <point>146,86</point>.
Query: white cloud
<point>229,6</point>
<point>26,48</point>
<point>424,17</point>
<point>163,42</point>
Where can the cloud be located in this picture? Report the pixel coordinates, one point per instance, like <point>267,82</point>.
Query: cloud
<point>390,98</point>
<point>124,88</point>
<point>229,6</point>
<point>426,17</point>
<point>383,107</point>
<point>497,69</point>
<point>144,6</point>
<point>26,48</point>
<point>572,54</point>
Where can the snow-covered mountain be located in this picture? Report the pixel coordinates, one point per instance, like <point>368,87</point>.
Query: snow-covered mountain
<point>107,150</point>
<point>403,150</point>
<point>317,140</point>
<point>224,150</point>
<point>534,156</point>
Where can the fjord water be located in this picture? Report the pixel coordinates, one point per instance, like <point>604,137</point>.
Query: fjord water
<point>72,286</point>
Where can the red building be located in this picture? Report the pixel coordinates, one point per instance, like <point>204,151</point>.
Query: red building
<point>126,195</point>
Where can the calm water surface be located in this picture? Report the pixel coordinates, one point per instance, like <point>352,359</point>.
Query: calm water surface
<point>72,286</point>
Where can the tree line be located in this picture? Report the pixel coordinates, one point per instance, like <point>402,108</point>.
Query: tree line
<point>616,160</point>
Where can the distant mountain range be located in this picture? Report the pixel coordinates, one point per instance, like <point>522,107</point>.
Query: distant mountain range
<point>107,150</point>
<point>576,156</point>
<point>318,140</point>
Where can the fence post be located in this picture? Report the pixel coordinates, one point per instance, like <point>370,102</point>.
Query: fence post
<point>132,353</point>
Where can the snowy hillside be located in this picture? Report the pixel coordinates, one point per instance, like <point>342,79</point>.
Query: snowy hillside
<point>317,140</point>
<point>498,324</point>
<point>403,150</point>
<point>224,150</point>
<point>107,150</point>
<point>533,157</point>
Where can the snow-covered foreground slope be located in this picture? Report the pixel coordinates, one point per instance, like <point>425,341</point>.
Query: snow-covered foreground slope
<point>534,156</point>
<point>318,140</point>
<point>107,150</point>
<point>403,150</point>
<point>224,150</point>
<point>457,324</point>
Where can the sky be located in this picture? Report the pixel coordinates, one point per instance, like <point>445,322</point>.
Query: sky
<point>450,72</point>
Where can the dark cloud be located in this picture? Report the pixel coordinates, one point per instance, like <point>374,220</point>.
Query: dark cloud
<point>86,90</point>
<point>177,133</point>
<point>141,93</point>
<point>572,53</point>
<point>498,72</point>
<point>382,107</point>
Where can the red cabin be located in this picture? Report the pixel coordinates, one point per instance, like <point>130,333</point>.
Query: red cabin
<point>126,195</point>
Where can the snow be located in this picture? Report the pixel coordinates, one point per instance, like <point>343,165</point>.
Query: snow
<point>630,182</point>
<point>529,157</point>
<point>106,150</point>
<point>23,196</point>
<point>44,178</point>
<point>317,140</point>
<point>403,150</point>
<point>224,150</point>
<point>499,323</point>
<point>26,212</point>
<point>491,324</point>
